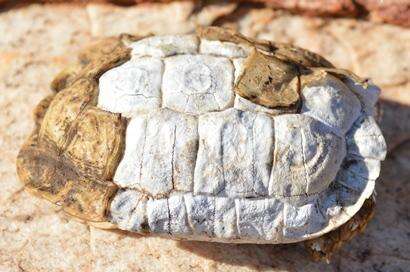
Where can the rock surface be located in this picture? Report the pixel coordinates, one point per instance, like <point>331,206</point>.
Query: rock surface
<point>34,232</point>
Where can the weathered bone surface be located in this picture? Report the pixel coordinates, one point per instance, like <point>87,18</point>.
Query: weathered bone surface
<point>160,153</point>
<point>212,137</point>
<point>132,87</point>
<point>235,154</point>
<point>197,84</point>
<point>164,46</point>
<point>307,156</point>
<point>226,49</point>
<point>328,100</point>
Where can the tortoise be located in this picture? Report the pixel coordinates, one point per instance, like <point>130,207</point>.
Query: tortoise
<point>211,136</point>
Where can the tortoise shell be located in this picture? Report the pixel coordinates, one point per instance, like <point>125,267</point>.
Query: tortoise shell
<point>211,136</point>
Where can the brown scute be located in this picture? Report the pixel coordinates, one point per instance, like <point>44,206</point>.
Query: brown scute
<point>331,242</point>
<point>97,143</point>
<point>229,35</point>
<point>48,175</point>
<point>301,56</point>
<point>94,60</point>
<point>41,109</point>
<point>280,50</point>
<point>72,154</point>
<point>65,77</point>
<point>65,108</point>
<point>103,56</point>
<point>269,81</point>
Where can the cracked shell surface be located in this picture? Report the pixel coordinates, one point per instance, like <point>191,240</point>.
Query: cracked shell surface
<point>213,137</point>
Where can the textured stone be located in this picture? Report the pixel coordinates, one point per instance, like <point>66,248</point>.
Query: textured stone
<point>196,83</point>
<point>235,153</point>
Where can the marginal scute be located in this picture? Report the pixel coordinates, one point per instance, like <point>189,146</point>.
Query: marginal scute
<point>97,143</point>
<point>302,220</point>
<point>225,49</point>
<point>366,140</point>
<point>307,156</point>
<point>235,154</point>
<point>362,168</point>
<point>164,46</point>
<point>322,248</point>
<point>238,64</point>
<point>201,214</point>
<point>281,50</point>
<point>260,219</point>
<point>158,215</point>
<point>268,81</point>
<point>45,174</point>
<point>66,107</point>
<point>327,99</point>
<point>128,211</point>
<point>105,57</point>
<point>368,93</point>
<point>197,84</point>
<point>179,216</point>
<point>132,87</point>
<point>160,153</point>
<point>244,104</point>
<point>230,35</point>
<point>225,225</point>
<point>300,55</point>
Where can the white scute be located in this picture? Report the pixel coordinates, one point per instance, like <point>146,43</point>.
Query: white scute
<point>332,103</point>
<point>307,156</point>
<point>160,153</point>
<point>259,218</point>
<point>246,105</point>
<point>365,139</point>
<point>302,220</point>
<point>238,64</point>
<point>367,96</point>
<point>235,153</point>
<point>226,49</point>
<point>197,84</point>
<point>132,87</point>
<point>164,46</point>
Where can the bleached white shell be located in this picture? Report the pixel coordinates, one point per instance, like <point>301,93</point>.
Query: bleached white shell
<point>202,163</point>
<point>132,87</point>
<point>332,103</point>
<point>197,84</point>
<point>367,96</point>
